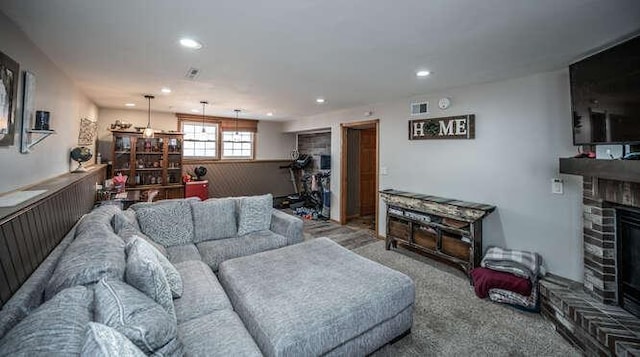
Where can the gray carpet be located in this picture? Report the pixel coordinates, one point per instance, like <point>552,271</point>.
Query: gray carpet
<point>448,319</point>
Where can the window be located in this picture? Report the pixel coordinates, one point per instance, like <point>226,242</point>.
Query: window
<point>199,143</point>
<point>219,139</point>
<point>237,145</point>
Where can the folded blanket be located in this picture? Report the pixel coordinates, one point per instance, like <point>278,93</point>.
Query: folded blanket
<point>528,303</point>
<point>517,262</point>
<point>485,279</point>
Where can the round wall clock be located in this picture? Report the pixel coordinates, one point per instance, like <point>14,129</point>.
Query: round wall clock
<point>444,103</point>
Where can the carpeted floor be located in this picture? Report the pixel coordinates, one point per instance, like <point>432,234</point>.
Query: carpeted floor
<point>448,319</point>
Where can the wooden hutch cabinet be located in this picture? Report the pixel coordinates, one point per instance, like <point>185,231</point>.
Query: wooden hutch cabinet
<point>446,229</point>
<point>150,164</point>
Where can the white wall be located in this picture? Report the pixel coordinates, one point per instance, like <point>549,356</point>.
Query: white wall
<point>523,126</point>
<point>159,121</point>
<point>56,93</point>
<point>271,142</point>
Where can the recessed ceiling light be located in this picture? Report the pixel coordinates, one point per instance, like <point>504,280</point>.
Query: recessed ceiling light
<point>165,90</point>
<point>190,43</point>
<point>130,104</point>
<point>269,114</point>
<point>423,73</point>
<point>195,110</point>
<point>320,100</point>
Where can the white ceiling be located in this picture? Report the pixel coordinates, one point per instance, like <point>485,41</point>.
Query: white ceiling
<point>278,56</point>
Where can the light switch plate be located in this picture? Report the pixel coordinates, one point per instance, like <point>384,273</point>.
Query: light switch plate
<point>556,186</point>
<point>383,170</point>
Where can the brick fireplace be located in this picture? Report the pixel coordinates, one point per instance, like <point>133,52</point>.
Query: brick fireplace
<point>601,197</point>
<point>589,314</point>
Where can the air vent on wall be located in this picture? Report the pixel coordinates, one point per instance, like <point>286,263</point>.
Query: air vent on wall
<point>192,73</point>
<point>419,108</point>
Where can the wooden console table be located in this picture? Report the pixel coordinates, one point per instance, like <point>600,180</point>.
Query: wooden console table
<point>442,228</point>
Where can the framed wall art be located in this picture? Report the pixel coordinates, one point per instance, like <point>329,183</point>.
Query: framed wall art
<point>9,75</point>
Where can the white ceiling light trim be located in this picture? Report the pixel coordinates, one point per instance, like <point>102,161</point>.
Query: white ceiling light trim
<point>423,73</point>
<point>190,43</point>
<point>320,100</point>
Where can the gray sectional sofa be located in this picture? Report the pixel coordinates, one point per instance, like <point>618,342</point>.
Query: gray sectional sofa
<point>145,281</point>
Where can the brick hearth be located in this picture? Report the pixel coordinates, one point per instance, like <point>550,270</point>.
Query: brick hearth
<point>587,314</point>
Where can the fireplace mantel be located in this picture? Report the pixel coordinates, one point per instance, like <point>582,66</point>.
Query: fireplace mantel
<point>619,170</point>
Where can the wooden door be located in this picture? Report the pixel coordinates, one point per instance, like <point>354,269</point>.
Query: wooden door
<point>368,171</point>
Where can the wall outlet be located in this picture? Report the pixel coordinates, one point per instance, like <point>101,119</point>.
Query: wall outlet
<point>556,186</point>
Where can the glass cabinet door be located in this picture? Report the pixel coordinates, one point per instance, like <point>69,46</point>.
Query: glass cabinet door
<point>149,161</point>
<point>122,156</point>
<point>174,157</point>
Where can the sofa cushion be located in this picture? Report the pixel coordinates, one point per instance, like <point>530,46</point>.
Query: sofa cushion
<point>57,327</point>
<point>334,294</point>
<point>254,213</point>
<point>123,219</point>
<point>287,225</point>
<point>125,230</point>
<point>145,274</point>
<point>99,216</point>
<point>136,206</point>
<point>92,255</point>
<point>133,314</point>
<point>214,252</point>
<point>214,219</point>
<point>183,253</point>
<point>104,341</point>
<point>170,272</point>
<point>220,333</point>
<point>168,223</point>
<point>202,292</point>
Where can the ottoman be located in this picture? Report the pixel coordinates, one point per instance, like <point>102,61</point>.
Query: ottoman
<point>318,298</point>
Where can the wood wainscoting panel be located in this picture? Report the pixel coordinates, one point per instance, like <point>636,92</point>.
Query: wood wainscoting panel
<point>30,230</point>
<point>246,178</point>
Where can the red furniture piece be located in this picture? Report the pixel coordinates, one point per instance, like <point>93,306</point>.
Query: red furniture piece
<point>197,189</point>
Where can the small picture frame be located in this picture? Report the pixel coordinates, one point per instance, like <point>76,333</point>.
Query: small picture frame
<point>9,76</point>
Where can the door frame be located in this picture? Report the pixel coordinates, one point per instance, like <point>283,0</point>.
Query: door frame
<point>344,127</point>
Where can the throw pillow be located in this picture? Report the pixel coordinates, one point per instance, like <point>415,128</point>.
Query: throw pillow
<point>214,219</point>
<point>145,274</point>
<point>123,219</point>
<point>255,214</point>
<point>168,223</point>
<point>133,314</point>
<point>173,277</point>
<point>126,230</point>
<point>103,341</point>
<point>56,327</point>
<point>92,255</point>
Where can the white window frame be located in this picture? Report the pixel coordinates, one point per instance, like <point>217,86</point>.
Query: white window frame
<point>212,138</point>
<point>243,141</point>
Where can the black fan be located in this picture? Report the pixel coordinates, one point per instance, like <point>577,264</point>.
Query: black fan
<point>200,171</point>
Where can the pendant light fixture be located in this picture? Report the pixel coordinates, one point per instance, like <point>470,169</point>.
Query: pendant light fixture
<point>148,132</point>
<point>203,102</point>
<point>236,136</point>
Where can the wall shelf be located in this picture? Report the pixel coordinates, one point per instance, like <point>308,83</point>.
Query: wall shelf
<point>27,140</point>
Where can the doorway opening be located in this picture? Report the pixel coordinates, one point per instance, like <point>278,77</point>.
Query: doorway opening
<point>359,174</point>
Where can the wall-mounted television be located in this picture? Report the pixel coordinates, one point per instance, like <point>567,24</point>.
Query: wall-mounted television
<point>605,96</point>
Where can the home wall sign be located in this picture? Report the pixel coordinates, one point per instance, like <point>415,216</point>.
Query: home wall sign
<point>457,127</point>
